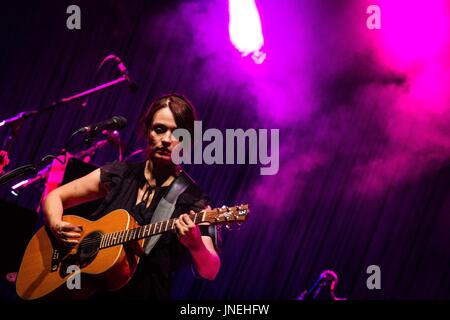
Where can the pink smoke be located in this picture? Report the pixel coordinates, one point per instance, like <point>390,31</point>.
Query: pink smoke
<point>414,40</point>
<point>413,31</point>
<point>310,47</point>
<point>279,190</point>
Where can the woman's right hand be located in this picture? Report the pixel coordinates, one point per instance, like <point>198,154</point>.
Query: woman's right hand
<point>66,233</point>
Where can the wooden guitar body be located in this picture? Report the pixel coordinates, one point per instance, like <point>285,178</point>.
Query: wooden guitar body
<point>105,258</point>
<point>46,271</point>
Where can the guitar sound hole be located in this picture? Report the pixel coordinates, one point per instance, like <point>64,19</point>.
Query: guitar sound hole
<point>89,246</point>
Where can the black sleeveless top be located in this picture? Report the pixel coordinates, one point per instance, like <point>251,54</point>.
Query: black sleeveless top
<point>152,279</point>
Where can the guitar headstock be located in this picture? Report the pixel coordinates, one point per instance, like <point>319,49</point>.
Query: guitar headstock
<point>236,214</point>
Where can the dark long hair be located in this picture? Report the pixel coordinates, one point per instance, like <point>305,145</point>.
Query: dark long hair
<point>182,109</point>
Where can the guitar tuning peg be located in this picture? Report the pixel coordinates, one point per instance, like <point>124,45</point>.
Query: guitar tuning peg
<point>228,226</point>
<point>238,225</point>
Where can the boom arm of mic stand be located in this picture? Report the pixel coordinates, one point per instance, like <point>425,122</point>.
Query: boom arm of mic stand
<point>26,114</point>
<point>92,90</point>
<point>23,115</point>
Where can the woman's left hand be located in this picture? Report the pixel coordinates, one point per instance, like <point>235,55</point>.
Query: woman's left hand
<point>206,259</point>
<point>188,232</point>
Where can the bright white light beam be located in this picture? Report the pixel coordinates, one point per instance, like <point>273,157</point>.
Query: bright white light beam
<point>245,29</point>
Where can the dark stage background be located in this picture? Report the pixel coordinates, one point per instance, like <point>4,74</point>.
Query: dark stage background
<point>364,173</point>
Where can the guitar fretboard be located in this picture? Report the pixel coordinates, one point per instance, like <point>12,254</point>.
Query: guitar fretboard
<point>116,238</point>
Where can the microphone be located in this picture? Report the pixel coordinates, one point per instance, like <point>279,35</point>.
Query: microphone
<point>124,72</point>
<point>323,288</point>
<point>115,123</point>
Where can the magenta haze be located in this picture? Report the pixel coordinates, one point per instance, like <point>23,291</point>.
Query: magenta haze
<point>258,147</point>
<point>337,89</point>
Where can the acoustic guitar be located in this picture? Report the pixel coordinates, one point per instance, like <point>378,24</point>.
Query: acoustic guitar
<point>104,259</point>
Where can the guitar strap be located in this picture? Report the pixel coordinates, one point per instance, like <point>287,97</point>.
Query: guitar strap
<point>166,206</point>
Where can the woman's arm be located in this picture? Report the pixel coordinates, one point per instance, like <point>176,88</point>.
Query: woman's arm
<point>206,259</point>
<point>82,190</point>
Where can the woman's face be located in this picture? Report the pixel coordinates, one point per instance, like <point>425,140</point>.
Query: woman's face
<point>161,139</point>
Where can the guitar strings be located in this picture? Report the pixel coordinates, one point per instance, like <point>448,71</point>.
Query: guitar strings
<point>93,241</point>
<point>151,225</point>
<point>90,241</point>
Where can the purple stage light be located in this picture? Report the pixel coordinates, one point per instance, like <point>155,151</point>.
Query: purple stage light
<point>245,29</point>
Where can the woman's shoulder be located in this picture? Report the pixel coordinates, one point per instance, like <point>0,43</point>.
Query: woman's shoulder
<point>113,173</point>
<point>194,194</point>
<point>121,168</point>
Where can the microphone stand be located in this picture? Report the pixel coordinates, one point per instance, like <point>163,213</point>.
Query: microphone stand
<point>27,169</point>
<point>23,115</point>
<point>43,174</point>
<point>18,172</point>
<point>16,122</point>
